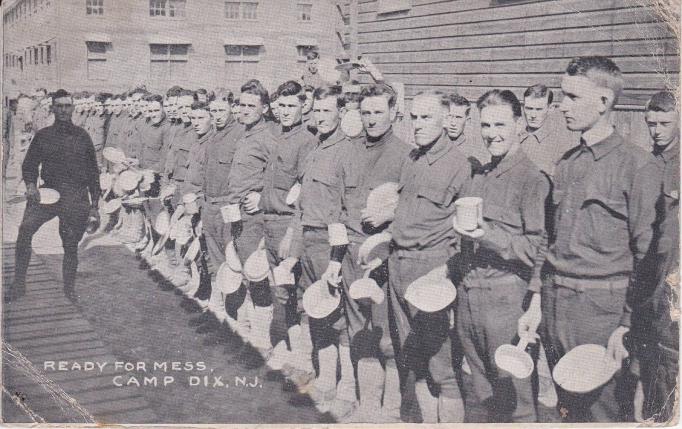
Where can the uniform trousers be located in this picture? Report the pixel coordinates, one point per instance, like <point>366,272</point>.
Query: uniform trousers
<point>366,318</point>
<point>486,319</point>
<point>72,209</point>
<point>574,317</point>
<point>286,302</point>
<point>424,339</point>
<point>248,233</point>
<point>217,234</point>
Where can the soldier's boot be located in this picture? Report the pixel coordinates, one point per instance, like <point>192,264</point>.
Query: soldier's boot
<point>390,409</point>
<point>371,382</point>
<point>69,269</point>
<point>261,318</point>
<point>22,260</point>
<point>346,399</point>
<point>323,389</point>
<point>428,403</point>
<point>299,370</point>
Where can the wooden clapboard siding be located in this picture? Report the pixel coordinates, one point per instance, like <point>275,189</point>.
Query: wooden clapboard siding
<point>475,45</point>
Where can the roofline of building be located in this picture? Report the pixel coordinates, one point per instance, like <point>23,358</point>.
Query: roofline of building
<point>7,5</point>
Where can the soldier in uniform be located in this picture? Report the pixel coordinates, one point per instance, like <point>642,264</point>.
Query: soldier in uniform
<point>501,262</point>
<point>456,124</point>
<point>95,125</point>
<point>372,159</point>
<point>65,157</point>
<point>311,76</point>
<point>605,192</point>
<point>431,180</point>
<point>319,251</point>
<point>282,171</point>
<point>245,185</point>
<point>655,330</point>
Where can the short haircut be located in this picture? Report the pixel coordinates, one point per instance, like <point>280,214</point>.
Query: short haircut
<point>101,98</point>
<point>173,91</point>
<point>312,55</point>
<point>186,93</point>
<point>498,97</point>
<point>378,90</point>
<point>539,91</point>
<point>351,97</point>
<point>155,98</point>
<point>439,95</point>
<point>200,105</point>
<point>291,87</point>
<point>43,90</point>
<point>84,94</point>
<point>308,88</point>
<point>254,87</point>
<point>274,95</point>
<point>663,101</point>
<point>224,95</point>
<point>326,91</point>
<point>458,100</point>
<point>235,100</point>
<point>61,93</point>
<point>123,97</point>
<point>599,70</point>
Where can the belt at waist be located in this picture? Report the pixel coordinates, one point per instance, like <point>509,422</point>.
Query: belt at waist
<point>307,228</point>
<point>419,253</point>
<point>582,283</point>
<point>493,282</point>
<point>277,216</point>
<point>216,200</point>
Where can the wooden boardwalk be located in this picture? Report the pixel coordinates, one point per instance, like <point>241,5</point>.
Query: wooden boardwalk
<point>45,326</point>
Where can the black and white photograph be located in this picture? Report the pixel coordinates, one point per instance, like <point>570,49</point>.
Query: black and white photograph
<point>340,212</point>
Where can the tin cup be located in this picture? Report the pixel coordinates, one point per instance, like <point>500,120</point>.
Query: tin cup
<point>468,211</point>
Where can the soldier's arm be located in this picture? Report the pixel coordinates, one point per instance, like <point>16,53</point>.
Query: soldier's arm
<point>32,161</point>
<point>92,169</point>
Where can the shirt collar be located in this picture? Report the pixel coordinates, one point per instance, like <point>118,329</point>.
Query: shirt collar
<point>206,136</point>
<point>602,147</point>
<point>336,137</point>
<point>508,162</point>
<point>292,131</point>
<point>460,140</point>
<point>260,126</point>
<point>388,135</point>
<point>228,125</point>
<point>671,152</point>
<point>439,149</point>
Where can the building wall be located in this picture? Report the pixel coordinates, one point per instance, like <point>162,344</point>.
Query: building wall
<point>472,46</point>
<point>130,30</point>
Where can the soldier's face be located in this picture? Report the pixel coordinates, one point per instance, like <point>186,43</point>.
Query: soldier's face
<point>583,102</point>
<point>172,109</point>
<point>535,110</point>
<point>202,97</point>
<point>220,112</point>
<point>313,65</point>
<point>185,107</point>
<point>156,112</point>
<point>428,117</point>
<point>308,103</point>
<point>116,107</point>
<point>456,121</point>
<point>99,108</point>
<point>144,106</point>
<point>63,108</point>
<point>290,110</point>
<point>499,129</point>
<point>376,115</point>
<point>201,121</point>
<point>236,111</point>
<point>664,127</point>
<point>327,115</point>
<point>78,105</point>
<point>250,108</point>
<point>107,106</point>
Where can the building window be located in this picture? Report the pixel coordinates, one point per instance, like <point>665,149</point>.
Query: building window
<point>168,62</point>
<point>232,9</point>
<point>48,54</point>
<point>249,10</point>
<point>305,12</point>
<point>302,51</point>
<point>94,7</point>
<point>97,60</point>
<point>42,55</point>
<point>169,8</point>
<point>240,61</point>
<point>35,56</point>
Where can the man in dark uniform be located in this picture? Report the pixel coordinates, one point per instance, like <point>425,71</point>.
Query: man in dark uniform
<point>65,157</point>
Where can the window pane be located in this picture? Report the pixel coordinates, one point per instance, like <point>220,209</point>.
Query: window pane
<point>179,50</point>
<point>35,55</point>
<point>249,10</point>
<point>48,53</point>
<point>231,10</point>
<point>96,47</point>
<point>159,50</point>
<point>233,50</point>
<point>176,8</point>
<point>250,51</point>
<point>305,12</point>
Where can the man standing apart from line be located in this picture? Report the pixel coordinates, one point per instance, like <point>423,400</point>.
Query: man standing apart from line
<point>64,156</point>
<point>605,192</point>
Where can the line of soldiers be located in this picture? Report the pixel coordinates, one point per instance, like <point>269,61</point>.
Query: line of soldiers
<point>341,259</point>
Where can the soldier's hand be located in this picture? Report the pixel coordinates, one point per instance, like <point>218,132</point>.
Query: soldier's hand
<point>332,274</point>
<point>376,219</point>
<point>251,203</point>
<point>530,320</point>
<point>32,194</point>
<point>616,350</point>
<point>283,252</point>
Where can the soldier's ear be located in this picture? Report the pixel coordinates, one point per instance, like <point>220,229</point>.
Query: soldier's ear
<point>393,112</point>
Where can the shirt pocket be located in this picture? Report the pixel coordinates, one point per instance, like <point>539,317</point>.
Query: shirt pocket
<point>502,214</point>
<point>435,196</point>
<point>602,224</point>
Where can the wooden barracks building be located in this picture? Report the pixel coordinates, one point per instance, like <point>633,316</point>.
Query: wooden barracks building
<point>117,44</point>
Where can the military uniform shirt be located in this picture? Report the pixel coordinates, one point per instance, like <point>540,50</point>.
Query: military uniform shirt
<point>152,140</point>
<point>430,181</point>
<point>219,156</point>
<point>284,168</point>
<point>546,145</point>
<point>473,149</point>
<point>196,162</point>
<point>514,192</point>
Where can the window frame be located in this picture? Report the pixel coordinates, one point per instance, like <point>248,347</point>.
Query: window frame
<point>300,13</point>
<point>302,51</point>
<point>90,8</point>
<point>97,57</point>
<point>167,7</point>
<point>167,59</point>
